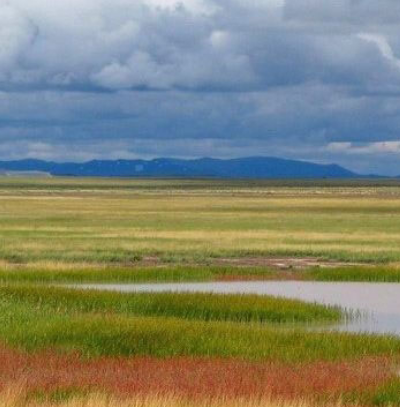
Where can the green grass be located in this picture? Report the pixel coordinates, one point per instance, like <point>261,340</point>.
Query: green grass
<point>138,274</point>
<point>200,273</point>
<point>356,273</point>
<point>98,324</point>
<point>385,395</point>
<point>206,307</point>
<point>109,274</point>
<point>116,335</point>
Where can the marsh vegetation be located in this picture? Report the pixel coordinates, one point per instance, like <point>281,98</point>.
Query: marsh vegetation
<point>70,346</point>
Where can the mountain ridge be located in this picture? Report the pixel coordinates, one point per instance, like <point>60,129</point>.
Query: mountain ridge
<point>246,167</point>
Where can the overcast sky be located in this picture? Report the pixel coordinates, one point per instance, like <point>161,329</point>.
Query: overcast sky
<point>308,79</point>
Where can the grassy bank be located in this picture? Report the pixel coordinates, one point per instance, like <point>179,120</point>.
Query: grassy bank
<point>169,325</point>
<point>49,273</point>
<point>205,307</point>
<point>91,274</point>
<point>383,274</point>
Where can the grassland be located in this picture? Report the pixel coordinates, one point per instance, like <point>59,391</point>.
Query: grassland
<point>125,221</point>
<point>191,350</point>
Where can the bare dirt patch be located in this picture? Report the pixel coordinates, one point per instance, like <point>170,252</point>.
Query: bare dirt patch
<point>280,262</point>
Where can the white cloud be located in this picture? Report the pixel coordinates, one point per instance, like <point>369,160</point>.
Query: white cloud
<point>16,34</point>
<point>384,47</point>
<point>381,147</point>
<point>193,44</point>
<point>194,6</point>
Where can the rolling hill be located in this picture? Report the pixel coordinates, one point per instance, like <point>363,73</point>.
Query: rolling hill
<point>250,167</point>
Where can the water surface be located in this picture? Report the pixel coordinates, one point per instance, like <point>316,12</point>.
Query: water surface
<point>377,304</point>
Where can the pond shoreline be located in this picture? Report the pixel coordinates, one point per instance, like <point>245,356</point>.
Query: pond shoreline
<point>376,305</point>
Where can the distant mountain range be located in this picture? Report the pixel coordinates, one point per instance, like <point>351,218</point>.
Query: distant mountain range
<point>251,167</point>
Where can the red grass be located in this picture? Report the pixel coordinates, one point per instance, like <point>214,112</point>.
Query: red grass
<point>187,376</point>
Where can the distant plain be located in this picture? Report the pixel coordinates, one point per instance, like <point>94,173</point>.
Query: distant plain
<point>123,221</point>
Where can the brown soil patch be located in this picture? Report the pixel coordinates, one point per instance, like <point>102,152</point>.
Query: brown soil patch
<point>192,377</point>
<point>280,262</point>
<point>277,263</point>
<point>277,275</point>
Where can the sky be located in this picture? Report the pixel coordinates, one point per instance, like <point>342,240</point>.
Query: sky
<point>313,80</point>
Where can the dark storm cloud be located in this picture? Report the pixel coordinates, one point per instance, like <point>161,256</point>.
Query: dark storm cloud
<point>311,79</point>
<point>354,12</point>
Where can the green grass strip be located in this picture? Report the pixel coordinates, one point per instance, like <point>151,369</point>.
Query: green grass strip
<point>172,273</point>
<point>355,273</point>
<point>96,335</point>
<point>206,307</point>
<point>129,274</point>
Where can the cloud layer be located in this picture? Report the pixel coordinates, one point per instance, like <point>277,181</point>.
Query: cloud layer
<point>308,79</point>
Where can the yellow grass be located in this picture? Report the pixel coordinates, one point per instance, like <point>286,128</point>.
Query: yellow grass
<point>55,220</point>
<point>16,397</point>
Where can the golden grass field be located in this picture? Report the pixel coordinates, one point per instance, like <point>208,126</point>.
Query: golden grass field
<point>123,221</point>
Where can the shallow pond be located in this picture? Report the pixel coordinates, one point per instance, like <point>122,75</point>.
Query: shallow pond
<point>376,304</point>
